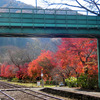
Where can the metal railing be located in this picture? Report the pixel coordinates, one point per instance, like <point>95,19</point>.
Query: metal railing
<point>45,11</point>
<point>29,17</point>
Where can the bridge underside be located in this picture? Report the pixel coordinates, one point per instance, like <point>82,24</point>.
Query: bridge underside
<point>49,32</point>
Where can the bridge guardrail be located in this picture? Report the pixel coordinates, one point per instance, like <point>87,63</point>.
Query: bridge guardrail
<point>27,17</point>
<point>45,11</point>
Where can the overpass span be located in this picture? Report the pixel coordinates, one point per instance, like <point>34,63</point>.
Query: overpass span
<point>26,22</point>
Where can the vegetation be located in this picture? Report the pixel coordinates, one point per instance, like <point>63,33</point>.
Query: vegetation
<point>74,63</point>
<point>71,82</point>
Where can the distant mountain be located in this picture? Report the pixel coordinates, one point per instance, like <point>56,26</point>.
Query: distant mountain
<point>49,43</point>
<point>18,4</point>
<point>22,42</point>
<point>45,43</point>
<point>18,42</point>
<point>14,3</point>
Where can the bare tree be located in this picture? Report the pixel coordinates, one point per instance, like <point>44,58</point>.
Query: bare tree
<point>61,73</point>
<point>33,49</point>
<point>92,6</point>
<point>19,57</point>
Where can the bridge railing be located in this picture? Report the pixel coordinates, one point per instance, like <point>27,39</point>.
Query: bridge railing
<point>27,17</point>
<point>45,11</point>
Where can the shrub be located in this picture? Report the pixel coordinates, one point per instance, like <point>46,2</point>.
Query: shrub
<point>15,79</point>
<point>93,82</point>
<point>82,81</point>
<point>54,83</point>
<point>50,82</point>
<point>71,82</point>
<point>47,82</point>
<point>88,82</point>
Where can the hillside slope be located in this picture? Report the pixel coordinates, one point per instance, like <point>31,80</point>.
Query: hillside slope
<point>22,42</point>
<point>14,3</point>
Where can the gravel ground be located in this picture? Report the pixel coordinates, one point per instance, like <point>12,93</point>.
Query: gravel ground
<point>3,97</point>
<point>5,85</point>
<point>18,95</point>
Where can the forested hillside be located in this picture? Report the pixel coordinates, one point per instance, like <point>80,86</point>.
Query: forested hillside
<point>19,42</point>
<point>14,3</point>
<point>24,49</point>
<point>22,42</point>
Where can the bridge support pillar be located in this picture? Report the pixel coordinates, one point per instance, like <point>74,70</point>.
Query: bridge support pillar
<point>98,48</point>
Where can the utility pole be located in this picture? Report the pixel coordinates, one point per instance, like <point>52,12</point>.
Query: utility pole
<point>36,4</point>
<point>42,77</point>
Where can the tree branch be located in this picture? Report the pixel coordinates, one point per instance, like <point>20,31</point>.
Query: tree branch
<point>85,7</point>
<point>64,4</point>
<point>96,5</point>
<point>90,2</point>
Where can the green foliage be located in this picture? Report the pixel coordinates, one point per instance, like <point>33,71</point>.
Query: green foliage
<point>88,82</point>
<point>47,82</point>
<point>93,82</point>
<point>71,82</point>
<point>54,82</point>
<point>15,80</point>
<point>82,81</point>
<point>50,82</point>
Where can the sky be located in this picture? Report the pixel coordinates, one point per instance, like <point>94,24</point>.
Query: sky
<point>39,2</point>
<point>32,2</point>
<point>43,5</point>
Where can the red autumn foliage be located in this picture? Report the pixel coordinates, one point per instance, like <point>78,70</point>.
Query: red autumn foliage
<point>34,69</point>
<point>10,71</point>
<point>76,53</point>
<point>73,57</point>
<point>7,71</point>
<point>22,73</point>
<point>2,70</point>
<point>45,61</point>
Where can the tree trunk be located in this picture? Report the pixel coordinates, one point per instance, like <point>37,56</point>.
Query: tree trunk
<point>64,81</point>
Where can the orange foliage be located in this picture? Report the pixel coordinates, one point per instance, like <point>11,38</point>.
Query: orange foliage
<point>45,61</point>
<point>75,52</point>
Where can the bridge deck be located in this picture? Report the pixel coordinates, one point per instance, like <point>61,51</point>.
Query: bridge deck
<point>34,23</point>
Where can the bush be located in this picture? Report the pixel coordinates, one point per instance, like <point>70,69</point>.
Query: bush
<point>87,81</point>
<point>15,79</point>
<point>50,82</point>
<point>92,82</point>
<point>71,82</point>
<point>82,81</point>
<point>54,83</point>
<point>47,82</point>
